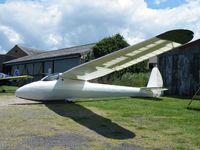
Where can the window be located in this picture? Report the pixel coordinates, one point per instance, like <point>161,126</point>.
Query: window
<point>51,77</point>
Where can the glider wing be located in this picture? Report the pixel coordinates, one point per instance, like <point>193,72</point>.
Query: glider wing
<point>129,56</point>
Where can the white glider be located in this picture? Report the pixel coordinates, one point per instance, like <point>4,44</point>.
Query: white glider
<point>74,83</point>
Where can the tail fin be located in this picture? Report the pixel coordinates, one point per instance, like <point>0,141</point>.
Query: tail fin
<point>155,85</point>
<point>155,79</point>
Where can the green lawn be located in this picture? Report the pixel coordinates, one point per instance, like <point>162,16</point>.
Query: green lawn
<point>164,124</point>
<point>9,90</point>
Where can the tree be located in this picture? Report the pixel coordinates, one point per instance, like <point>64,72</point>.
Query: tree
<point>109,45</point>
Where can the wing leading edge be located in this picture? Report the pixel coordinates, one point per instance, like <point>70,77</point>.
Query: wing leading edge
<point>15,77</point>
<point>129,56</point>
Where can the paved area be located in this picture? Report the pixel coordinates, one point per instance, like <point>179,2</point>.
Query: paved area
<point>28,125</point>
<point>12,100</point>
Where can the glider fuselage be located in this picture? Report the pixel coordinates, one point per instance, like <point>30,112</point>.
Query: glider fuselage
<point>71,89</point>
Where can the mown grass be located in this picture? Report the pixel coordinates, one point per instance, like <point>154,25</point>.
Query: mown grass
<point>164,124</point>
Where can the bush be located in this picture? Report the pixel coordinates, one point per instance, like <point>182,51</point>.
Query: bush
<point>132,79</point>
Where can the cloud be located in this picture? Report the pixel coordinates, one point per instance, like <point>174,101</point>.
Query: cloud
<point>52,24</point>
<point>158,2</point>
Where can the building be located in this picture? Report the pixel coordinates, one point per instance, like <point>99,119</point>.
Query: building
<point>20,51</point>
<point>38,63</point>
<point>16,52</point>
<point>4,58</point>
<point>180,69</point>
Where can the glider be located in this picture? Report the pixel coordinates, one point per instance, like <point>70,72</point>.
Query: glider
<point>6,79</point>
<point>74,83</point>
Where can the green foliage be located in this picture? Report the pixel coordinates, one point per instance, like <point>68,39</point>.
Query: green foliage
<point>132,79</point>
<point>109,45</point>
<point>89,56</point>
<point>126,79</point>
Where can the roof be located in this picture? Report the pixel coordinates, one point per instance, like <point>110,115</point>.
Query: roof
<point>27,51</point>
<point>55,53</point>
<point>30,51</point>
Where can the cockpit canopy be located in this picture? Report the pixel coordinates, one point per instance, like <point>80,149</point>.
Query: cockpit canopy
<point>52,77</point>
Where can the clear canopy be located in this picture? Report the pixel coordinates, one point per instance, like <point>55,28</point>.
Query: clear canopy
<point>51,77</point>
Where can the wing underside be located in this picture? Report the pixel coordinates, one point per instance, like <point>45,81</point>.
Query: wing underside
<point>129,56</point>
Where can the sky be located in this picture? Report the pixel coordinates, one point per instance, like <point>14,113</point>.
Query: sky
<point>55,24</point>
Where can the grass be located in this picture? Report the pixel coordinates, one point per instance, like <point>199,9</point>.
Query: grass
<point>151,124</point>
<point>165,124</point>
<point>9,90</point>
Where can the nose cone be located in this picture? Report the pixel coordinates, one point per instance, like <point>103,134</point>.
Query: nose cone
<point>28,91</point>
<point>35,91</point>
<point>23,92</point>
<point>17,92</point>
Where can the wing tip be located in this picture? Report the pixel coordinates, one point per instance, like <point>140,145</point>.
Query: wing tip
<point>181,36</point>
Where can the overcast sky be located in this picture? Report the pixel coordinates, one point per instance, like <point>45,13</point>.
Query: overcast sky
<point>54,24</point>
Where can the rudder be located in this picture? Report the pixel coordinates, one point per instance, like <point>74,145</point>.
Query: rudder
<point>155,79</point>
<point>155,83</point>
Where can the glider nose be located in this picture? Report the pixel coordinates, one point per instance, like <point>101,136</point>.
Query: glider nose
<point>22,92</point>
<point>19,92</point>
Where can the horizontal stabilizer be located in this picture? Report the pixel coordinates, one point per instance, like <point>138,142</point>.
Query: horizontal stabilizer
<point>154,88</point>
<point>153,91</point>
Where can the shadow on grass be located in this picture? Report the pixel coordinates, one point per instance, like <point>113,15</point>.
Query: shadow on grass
<point>193,108</point>
<point>102,99</point>
<point>91,120</point>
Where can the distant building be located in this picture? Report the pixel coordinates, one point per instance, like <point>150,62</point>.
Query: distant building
<point>20,51</point>
<point>180,69</point>
<point>16,52</point>
<point>39,63</point>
